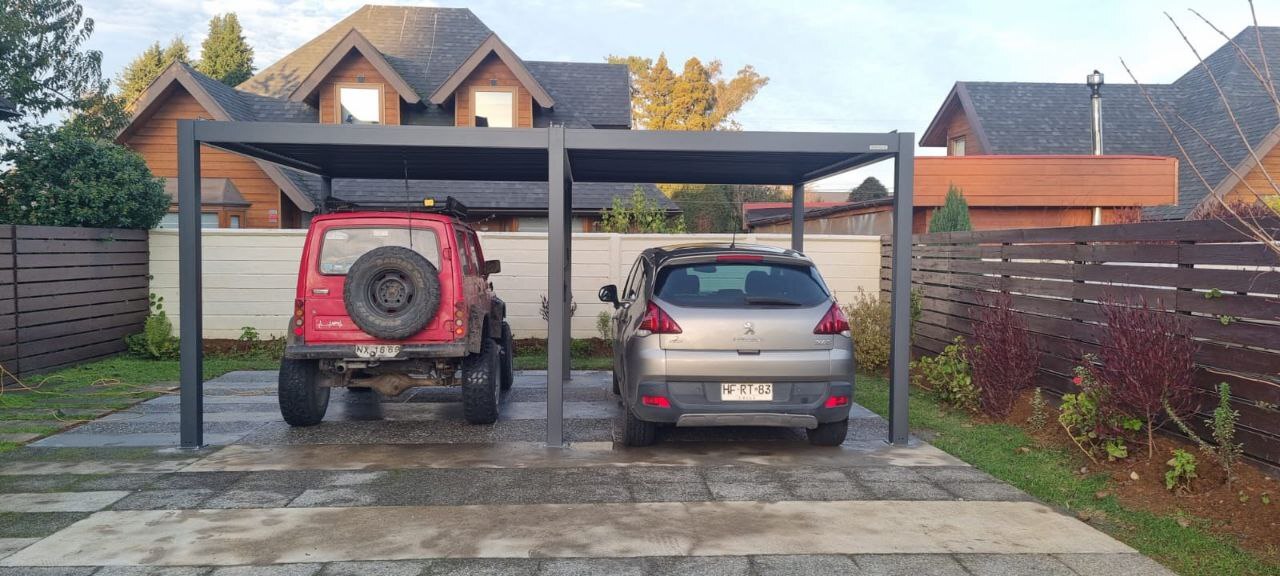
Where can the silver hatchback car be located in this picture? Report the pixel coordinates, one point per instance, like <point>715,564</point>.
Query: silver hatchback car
<point>730,335</point>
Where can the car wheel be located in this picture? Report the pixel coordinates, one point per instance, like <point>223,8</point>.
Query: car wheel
<point>830,433</point>
<point>480,386</point>
<point>617,389</point>
<point>637,432</point>
<point>508,357</point>
<point>303,401</point>
<point>391,292</point>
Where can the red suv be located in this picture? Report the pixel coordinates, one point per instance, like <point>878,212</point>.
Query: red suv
<point>388,301</point>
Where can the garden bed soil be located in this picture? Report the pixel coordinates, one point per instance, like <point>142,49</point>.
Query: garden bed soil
<point>1237,510</point>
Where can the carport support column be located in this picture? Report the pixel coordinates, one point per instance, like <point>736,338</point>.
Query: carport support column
<point>900,325</point>
<point>797,217</point>
<point>190,308</point>
<point>557,284</point>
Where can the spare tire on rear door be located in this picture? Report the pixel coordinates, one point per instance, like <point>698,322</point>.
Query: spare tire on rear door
<point>391,292</point>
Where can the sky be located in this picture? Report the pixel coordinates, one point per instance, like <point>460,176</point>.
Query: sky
<point>833,65</point>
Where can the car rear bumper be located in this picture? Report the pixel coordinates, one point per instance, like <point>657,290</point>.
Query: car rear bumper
<point>795,404</point>
<point>348,351</point>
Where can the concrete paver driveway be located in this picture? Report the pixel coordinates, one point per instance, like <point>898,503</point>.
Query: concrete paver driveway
<point>403,486</point>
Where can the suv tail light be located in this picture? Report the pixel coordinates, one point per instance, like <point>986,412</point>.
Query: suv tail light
<point>298,308</point>
<point>459,323</point>
<point>833,322</point>
<point>657,321</point>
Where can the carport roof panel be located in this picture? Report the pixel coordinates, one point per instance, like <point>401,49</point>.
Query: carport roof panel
<point>495,154</point>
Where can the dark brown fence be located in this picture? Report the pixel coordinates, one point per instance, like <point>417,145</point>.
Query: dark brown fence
<point>68,294</point>
<point>1222,281</point>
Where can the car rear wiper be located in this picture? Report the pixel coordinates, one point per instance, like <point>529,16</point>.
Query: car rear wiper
<point>776,300</point>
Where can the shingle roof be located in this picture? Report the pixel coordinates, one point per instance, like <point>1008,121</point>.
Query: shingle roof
<point>7,108</point>
<point>599,92</point>
<point>1041,118</point>
<point>519,197</point>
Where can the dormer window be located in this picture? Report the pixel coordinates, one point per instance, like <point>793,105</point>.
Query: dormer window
<point>359,104</point>
<point>493,107</point>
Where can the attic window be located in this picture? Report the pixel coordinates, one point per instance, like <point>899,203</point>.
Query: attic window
<point>957,146</point>
<point>493,107</point>
<point>359,104</point>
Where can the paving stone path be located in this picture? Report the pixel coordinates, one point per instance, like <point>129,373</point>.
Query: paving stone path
<point>402,486</point>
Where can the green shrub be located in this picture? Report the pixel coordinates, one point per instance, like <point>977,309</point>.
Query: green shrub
<point>59,178</point>
<point>948,376</point>
<point>156,341</point>
<point>1223,424</point>
<point>869,325</point>
<point>580,348</point>
<point>604,325</point>
<point>1091,418</point>
<point>1039,410</point>
<point>1182,470</point>
<point>953,216</point>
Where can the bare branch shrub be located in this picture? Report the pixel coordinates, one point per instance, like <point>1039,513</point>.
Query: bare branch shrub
<point>1004,356</point>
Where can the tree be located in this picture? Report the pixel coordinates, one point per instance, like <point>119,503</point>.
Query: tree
<point>954,214</point>
<point>869,189</point>
<point>43,67</point>
<point>718,208</point>
<point>639,215</point>
<point>225,56</point>
<point>60,178</point>
<point>700,98</point>
<point>144,69</point>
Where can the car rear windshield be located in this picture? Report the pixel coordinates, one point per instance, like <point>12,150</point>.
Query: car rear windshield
<point>732,285</point>
<point>343,246</point>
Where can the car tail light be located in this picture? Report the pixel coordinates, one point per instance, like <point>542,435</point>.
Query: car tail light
<point>833,322</point>
<point>655,401</point>
<point>836,402</point>
<point>299,306</point>
<point>740,258</point>
<point>459,319</point>
<point>657,321</point>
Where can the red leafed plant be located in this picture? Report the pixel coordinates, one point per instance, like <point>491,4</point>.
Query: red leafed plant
<point>1004,357</point>
<point>1146,361</point>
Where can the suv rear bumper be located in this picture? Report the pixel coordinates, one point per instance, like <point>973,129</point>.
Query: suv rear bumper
<point>799,405</point>
<point>348,351</point>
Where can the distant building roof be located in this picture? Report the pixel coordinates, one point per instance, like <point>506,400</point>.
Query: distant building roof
<point>7,109</point>
<point>1043,118</point>
<point>824,211</point>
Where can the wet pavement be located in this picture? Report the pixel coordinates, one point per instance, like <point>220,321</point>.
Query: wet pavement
<point>403,486</point>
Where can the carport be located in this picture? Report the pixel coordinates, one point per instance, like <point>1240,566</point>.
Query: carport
<point>560,157</point>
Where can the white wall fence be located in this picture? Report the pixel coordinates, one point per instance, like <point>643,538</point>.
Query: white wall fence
<point>250,275</point>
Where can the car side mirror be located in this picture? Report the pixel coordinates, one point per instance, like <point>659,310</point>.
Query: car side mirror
<point>492,267</point>
<point>609,294</point>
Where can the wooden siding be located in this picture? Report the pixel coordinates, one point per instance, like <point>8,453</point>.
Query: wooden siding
<point>68,295</point>
<point>492,72</point>
<point>958,126</point>
<point>350,71</point>
<point>1057,276</point>
<point>1084,181</point>
<point>1256,179</point>
<point>156,141</point>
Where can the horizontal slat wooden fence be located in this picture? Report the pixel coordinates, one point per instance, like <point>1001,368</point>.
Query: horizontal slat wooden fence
<point>69,294</point>
<point>1225,284</point>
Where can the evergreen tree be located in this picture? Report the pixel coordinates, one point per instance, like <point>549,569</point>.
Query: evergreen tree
<point>144,69</point>
<point>692,98</point>
<point>954,214</point>
<point>225,56</point>
<point>869,189</point>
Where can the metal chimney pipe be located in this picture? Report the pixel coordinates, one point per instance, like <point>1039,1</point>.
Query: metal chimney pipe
<point>1094,81</point>
<point>1095,100</point>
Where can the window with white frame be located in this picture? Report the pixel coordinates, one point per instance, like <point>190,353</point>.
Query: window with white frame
<point>359,105</point>
<point>494,108</point>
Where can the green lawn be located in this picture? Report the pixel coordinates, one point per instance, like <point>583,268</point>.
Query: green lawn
<point>1050,475</point>
<point>84,392</point>
<point>539,362</point>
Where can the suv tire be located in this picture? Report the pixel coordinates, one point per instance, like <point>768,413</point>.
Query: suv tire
<point>391,292</point>
<point>303,401</point>
<point>508,349</point>
<point>481,389</point>
<point>829,433</point>
<point>637,432</point>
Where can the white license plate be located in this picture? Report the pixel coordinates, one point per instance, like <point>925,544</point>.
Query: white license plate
<point>746,392</point>
<point>377,351</point>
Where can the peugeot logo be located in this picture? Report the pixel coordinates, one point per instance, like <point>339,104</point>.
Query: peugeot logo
<point>748,329</point>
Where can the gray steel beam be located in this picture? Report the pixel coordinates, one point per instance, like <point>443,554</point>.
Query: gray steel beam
<point>557,285</point>
<point>190,310</point>
<point>730,141</point>
<point>797,217</point>
<point>369,135</point>
<point>568,274</point>
<point>900,324</point>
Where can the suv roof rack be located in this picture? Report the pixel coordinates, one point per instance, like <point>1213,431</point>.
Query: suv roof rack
<point>451,206</point>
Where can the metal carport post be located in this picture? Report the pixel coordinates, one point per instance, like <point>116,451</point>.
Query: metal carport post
<point>561,156</point>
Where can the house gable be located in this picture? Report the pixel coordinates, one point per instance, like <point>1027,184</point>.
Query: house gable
<point>490,49</point>
<point>492,74</point>
<point>338,62</point>
<point>355,70</point>
<point>956,120</point>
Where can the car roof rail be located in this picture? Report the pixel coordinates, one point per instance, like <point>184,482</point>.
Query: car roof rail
<point>450,207</point>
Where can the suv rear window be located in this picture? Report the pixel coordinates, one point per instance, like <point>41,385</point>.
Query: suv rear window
<point>343,246</point>
<point>735,285</point>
